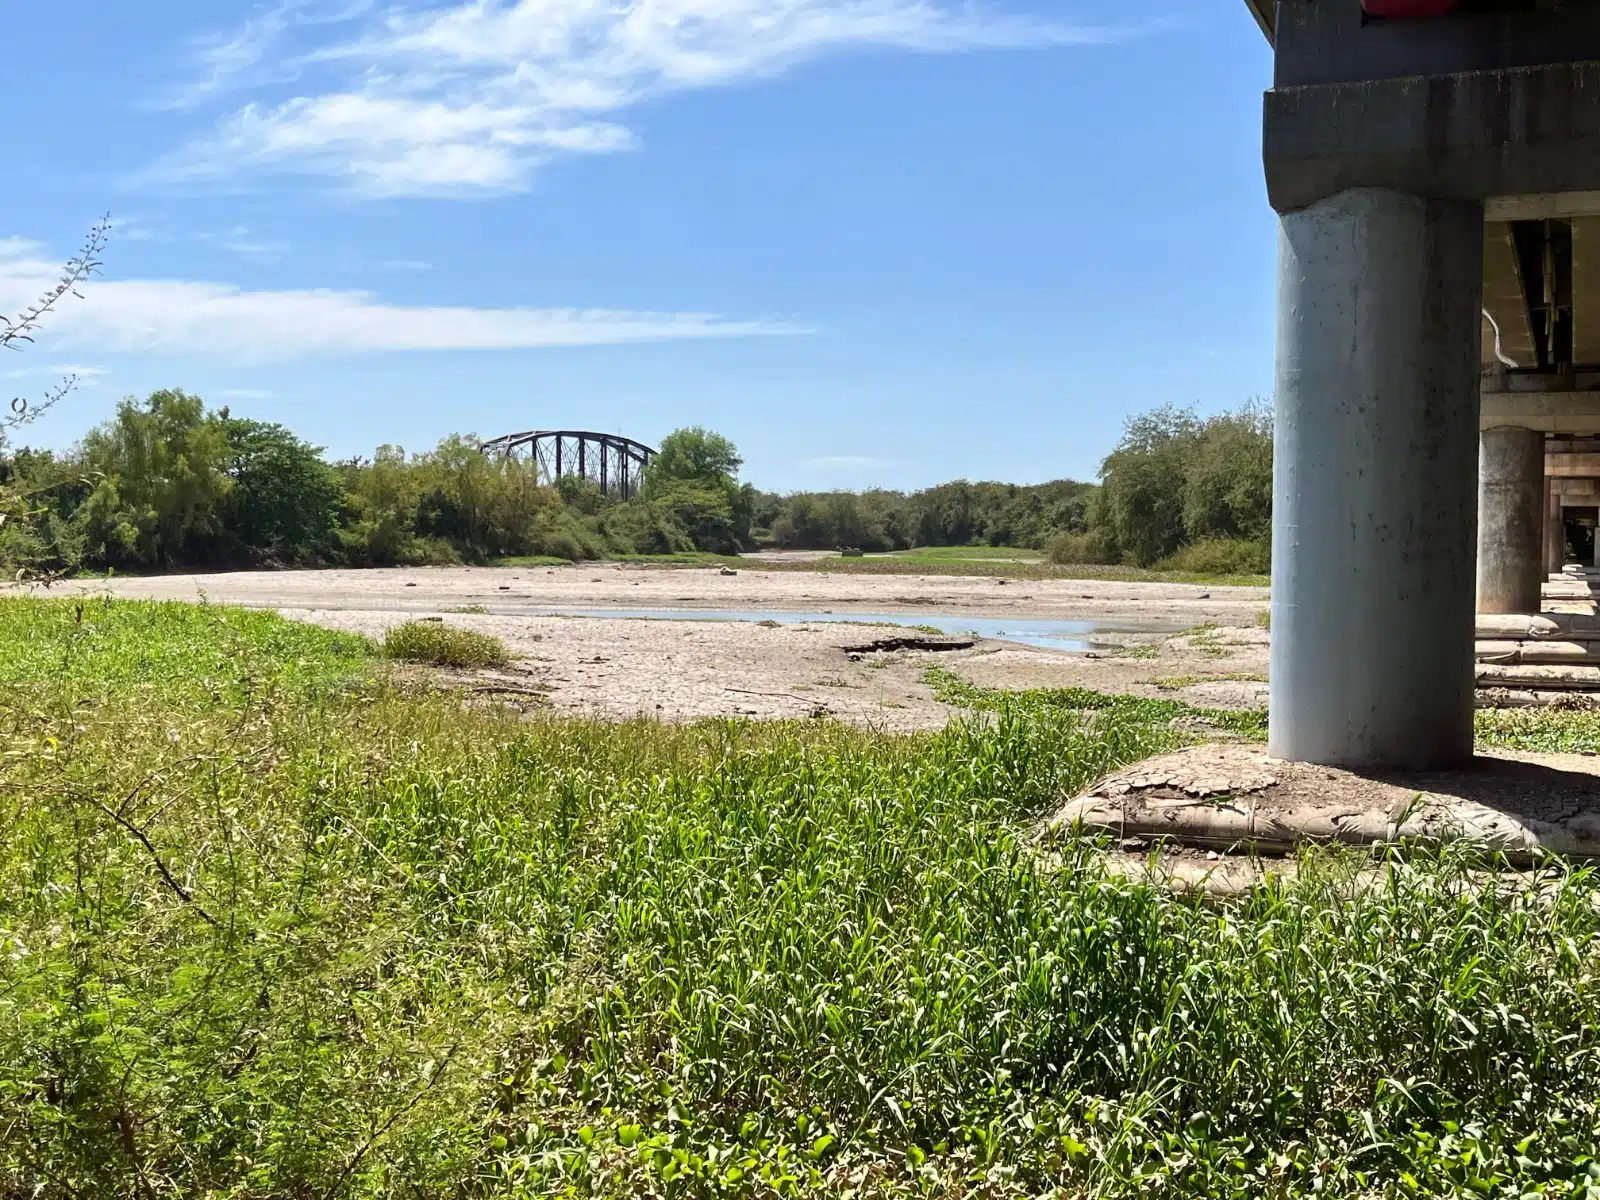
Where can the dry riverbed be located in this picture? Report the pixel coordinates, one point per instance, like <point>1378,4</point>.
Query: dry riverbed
<point>1195,643</point>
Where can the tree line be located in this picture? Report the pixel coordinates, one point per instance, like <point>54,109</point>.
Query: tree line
<point>168,482</point>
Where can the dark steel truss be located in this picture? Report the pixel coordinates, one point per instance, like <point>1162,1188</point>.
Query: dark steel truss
<point>612,461</point>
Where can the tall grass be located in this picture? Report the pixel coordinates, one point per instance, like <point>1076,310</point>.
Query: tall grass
<point>444,645</point>
<point>360,943</point>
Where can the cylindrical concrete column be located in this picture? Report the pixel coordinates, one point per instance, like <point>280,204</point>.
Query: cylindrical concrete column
<point>1511,512</point>
<point>1555,534</point>
<point>1374,481</point>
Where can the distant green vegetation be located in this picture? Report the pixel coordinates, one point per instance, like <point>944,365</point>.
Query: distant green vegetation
<point>1183,493</point>
<point>970,554</point>
<point>168,483</point>
<point>357,942</point>
<point>952,514</point>
<point>914,564</point>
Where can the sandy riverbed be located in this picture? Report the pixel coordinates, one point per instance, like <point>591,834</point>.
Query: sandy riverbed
<point>679,669</point>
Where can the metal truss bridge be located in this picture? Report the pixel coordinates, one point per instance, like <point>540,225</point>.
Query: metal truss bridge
<point>614,462</point>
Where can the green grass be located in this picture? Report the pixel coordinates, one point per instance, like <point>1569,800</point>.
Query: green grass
<point>1174,683</point>
<point>443,645</point>
<point>685,558</point>
<point>169,647</point>
<point>1547,730</point>
<point>967,554</point>
<point>897,565</point>
<point>360,943</point>
<point>1137,652</point>
<point>532,560</point>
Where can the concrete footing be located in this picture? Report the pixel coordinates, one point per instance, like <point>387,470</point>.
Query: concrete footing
<point>1374,487</point>
<point>1511,518</point>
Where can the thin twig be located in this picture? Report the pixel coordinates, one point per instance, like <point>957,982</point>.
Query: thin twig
<point>18,330</point>
<point>172,882</point>
<point>493,688</point>
<point>377,1133</point>
<point>775,695</point>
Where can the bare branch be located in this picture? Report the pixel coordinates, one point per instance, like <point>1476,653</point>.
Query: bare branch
<point>78,268</point>
<point>19,330</point>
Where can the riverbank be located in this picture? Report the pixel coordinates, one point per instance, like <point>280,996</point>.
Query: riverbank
<point>1189,642</point>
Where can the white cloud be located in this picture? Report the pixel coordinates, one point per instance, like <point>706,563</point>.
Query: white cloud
<point>222,320</point>
<point>247,393</point>
<point>469,97</point>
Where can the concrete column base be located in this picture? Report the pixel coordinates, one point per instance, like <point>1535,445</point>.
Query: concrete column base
<point>1511,512</point>
<point>1374,481</point>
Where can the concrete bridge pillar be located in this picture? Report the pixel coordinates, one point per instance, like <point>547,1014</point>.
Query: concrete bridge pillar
<point>1374,484</point>
<point>1555,533</point>
<point>1511,516</point>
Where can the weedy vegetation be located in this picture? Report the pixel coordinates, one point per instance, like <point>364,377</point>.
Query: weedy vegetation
<point>443,645</point>
<point>271,926</point>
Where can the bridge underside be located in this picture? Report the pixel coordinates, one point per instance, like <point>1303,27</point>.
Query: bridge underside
<point>1438,380</point>
<point>614,463</point>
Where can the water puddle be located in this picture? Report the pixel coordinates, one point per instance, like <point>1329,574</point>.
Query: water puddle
<point>1073,636</point>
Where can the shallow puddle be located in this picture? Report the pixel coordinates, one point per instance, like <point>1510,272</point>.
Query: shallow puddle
<point>1075,636</point>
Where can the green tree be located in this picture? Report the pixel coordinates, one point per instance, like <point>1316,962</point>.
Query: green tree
<point>162,470</point>
<point>380,518</point>
<point>692,455</point>
<point>693,477</point>
<point>1176,479</point>
<point>285,499</point>
<point>1227,492</point>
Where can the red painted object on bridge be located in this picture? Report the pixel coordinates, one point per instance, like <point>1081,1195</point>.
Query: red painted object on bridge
<point>1408,10</point>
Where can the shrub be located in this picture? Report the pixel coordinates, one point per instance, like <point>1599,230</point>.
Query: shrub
<point>444,646</point>
<point>1070,548</point>
<point>1221,556</point>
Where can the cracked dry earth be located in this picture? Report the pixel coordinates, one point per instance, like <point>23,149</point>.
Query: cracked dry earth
<point>1222,796</point>
<point>680,668</point>
<point>685,670</point>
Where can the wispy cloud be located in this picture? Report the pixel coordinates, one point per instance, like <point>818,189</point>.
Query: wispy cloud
<point>468,98</point>
<point>241,241</point>
<point>250,54</point>
<point>247,393</point>
<point>192,317</point>
<point>85,374</point>
<point>133,229</point>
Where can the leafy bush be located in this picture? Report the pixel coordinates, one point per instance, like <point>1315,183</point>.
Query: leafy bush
<point>1221,556</point>
<point>643,528</point>
<point>1069,549</point>
<point>442,645</point>
<point>1176,478</point>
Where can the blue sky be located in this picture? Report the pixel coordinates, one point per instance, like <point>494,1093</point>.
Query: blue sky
<point>876,242</point>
